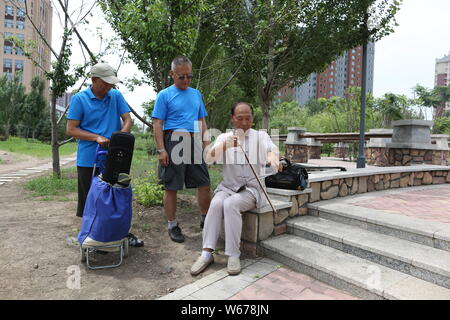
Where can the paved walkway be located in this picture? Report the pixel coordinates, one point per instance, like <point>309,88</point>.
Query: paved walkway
<point>265,279</point>
<point>429,204</point>
<point>16,175</point>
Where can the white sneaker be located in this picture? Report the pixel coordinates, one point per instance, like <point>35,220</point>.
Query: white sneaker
<point>200,265</point>
<point>234,265</point>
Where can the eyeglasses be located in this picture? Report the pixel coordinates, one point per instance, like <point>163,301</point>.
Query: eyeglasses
<point>182,77</point>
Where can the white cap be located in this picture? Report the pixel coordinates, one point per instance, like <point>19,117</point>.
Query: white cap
<point>105,72</point>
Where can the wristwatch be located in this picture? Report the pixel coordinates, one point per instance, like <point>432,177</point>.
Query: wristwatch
<point>159,151</point>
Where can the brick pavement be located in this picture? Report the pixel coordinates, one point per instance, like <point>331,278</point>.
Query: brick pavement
<point>433,204</point>
<point>285,284</point>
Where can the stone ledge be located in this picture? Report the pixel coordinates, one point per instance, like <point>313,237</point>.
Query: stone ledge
<point>319,177</point>
<point>279,205</point>
<point>286,192</point>
<point>415,146</point>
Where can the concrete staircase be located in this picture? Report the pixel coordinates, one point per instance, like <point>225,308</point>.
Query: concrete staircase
<point>368,253</point>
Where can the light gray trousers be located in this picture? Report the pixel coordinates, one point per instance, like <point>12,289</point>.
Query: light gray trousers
<point>226,209</point>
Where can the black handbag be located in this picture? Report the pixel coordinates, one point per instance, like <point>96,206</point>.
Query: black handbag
<point>293,177</point>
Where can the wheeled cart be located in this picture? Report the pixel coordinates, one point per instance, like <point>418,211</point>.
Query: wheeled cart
<point>108,210</point>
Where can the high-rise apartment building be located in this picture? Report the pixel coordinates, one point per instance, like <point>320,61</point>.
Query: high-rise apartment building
<point>442,75</point>
<point>16,23</point>
<point>344,72</point>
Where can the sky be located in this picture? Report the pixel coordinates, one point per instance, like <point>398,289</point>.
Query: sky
<point>402,60</point>
<point>407,57</point>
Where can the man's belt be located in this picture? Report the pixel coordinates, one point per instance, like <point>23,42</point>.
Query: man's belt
<point>179,133</point>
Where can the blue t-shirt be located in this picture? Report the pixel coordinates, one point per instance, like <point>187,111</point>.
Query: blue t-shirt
<point>96,116</point>
<point>180,109</point>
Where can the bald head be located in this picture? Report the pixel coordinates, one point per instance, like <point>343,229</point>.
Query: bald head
<point>241,105</point>
<point>242,116</point>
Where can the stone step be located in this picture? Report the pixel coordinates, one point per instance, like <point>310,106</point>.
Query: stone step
<point>285,194</point>
<point>417,260</point>
<point>426,232</point>
<point>360,277</point>
<point>278,205</point>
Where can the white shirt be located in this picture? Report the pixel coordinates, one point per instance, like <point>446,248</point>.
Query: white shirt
<point>236,171</point>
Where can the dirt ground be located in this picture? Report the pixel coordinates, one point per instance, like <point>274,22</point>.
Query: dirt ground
<point>40,256</point>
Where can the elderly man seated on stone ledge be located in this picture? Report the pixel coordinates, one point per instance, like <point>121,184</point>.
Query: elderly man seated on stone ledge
<point>239,191</point>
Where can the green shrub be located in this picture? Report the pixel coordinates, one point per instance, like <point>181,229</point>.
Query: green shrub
<point>148,193</point>
<point>145,142</point>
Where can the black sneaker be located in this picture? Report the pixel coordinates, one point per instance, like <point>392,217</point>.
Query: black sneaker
<point>176,235</point>
<point>202,220</point>
<point>134,241</point>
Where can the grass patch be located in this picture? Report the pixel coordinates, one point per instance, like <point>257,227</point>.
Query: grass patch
<point>51,188</point>
<point>35,148</point>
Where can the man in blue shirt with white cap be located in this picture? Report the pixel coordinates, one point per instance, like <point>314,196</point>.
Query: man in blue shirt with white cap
<point>94,114</point>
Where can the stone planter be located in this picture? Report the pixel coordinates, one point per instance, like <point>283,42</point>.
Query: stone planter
<point>341,150</point>
<point>314,148</point>
<point>411,144</point>
<point>296,145</point>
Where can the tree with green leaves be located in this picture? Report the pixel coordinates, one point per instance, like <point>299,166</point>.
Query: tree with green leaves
<point>435,98</point>
<point>290,39</point>
<point>287,114</point>
<point>443,96</point>
<point>392,107</point>
<point>154,32</point>
<point>12,96</point>
<point>442,125</point>
<point>34,106</point>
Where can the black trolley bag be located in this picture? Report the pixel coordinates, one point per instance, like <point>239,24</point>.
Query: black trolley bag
<point>293,177</point>
<point>119,156</point>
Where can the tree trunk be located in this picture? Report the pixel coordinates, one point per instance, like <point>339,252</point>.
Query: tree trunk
<point>265,111</point>
<point>7,129</point>
<point>55,146</point>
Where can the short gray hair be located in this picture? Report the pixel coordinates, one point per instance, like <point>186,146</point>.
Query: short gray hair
<point>179,61</point>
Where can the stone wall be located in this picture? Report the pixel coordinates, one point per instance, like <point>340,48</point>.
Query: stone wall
<point>408,157</point>
<point>341,152</point>
<point>314,152</point>
<point>377,156</point>
<point>329,189</point>
<point>384,157</point>
<point>297,152</point>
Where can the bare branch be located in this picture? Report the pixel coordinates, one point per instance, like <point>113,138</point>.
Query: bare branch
<point>121,60</point>
<point>64,142</point>
<point>203,60</point>
<point>93,58</point>
<point>140,118</point>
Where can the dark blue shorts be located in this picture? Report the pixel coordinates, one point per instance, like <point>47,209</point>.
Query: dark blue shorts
<point>187,167</point>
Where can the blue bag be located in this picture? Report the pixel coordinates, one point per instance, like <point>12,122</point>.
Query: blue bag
<point>107,213</point>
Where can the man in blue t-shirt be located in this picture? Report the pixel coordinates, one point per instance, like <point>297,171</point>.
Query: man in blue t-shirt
<point>178,126</point>
<point>94,114</point>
